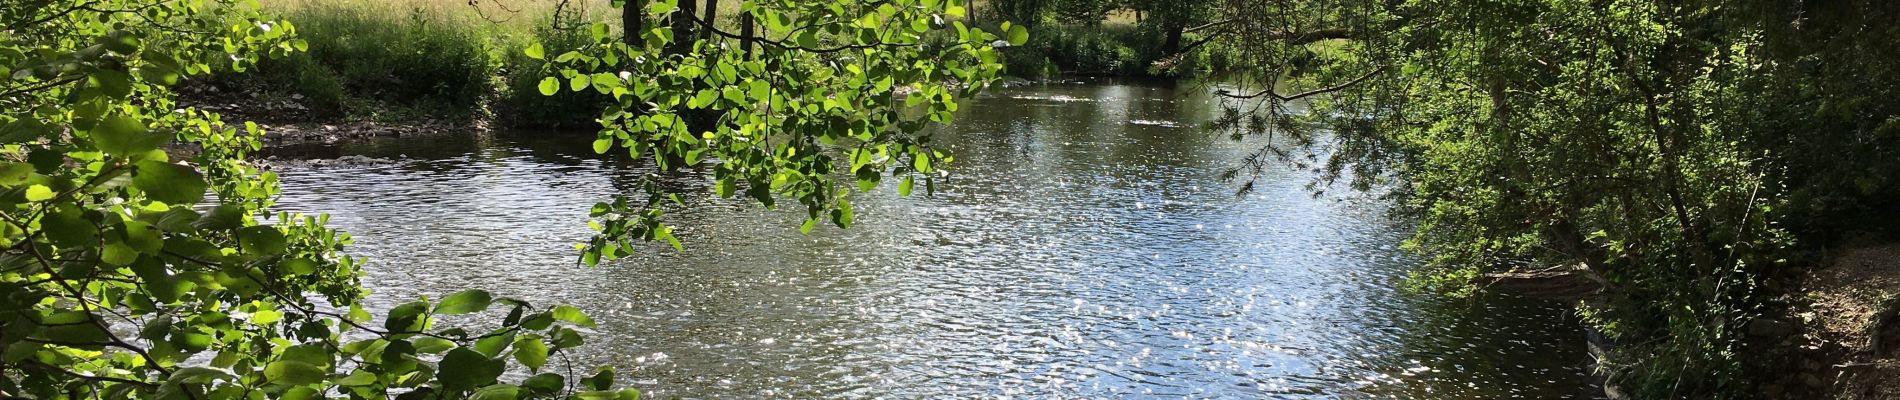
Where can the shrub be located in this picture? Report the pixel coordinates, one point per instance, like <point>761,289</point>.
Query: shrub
<point>1084,50</point>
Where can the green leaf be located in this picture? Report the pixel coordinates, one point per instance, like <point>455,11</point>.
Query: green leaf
<point>196,375</point>
<point>572,315</point>
<point>547,383</point>
<point>266,317</point>
<point>566,338</point>
<point>903,188</point>
<point>261,240</point>
<point>224,216</point>
<point>14,173</point>
<point>550,86</point>
<point>407,317</point>
<point>531,352</point>
<point>1017,35</point>
<point>535,51</point>
<point>357,378</point>
<point>464,368</point>
<point>38,193</point>
<point>602,145</point>
<point>299,266</point>
<point>117,253</point>
<point>25,130</point>
<point>662,7</point>
<point>496,392</point>
<point>578,82</point>
<point>842,216</point>
<point>114,83</point>
<point>464,302</point>
<point>432,345</point>
<point>122,136</point>
<point>294,373</point>
<point>493,345</point>
<point>19,351</point>
<point>602,380</point>
<point>170,183</point>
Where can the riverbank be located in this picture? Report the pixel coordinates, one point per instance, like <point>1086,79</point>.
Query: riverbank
<point>418,67</point>
<point>404,68</point>
<point>1833,333</point>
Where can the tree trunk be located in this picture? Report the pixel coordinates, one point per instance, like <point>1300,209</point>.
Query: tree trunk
<point>711,16</point>
<point>633,23</point>
<point>683,27</point>
<point>745,32</point>
<point>1173,44</point>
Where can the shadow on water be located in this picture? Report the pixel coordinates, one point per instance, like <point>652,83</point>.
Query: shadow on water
<point>1083,246</point>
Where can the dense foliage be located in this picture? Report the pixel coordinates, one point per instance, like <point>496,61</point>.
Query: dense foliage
<point>141,258</point>
<point>120,280</point>
<point>1681,152</point>
<point>831,89</point>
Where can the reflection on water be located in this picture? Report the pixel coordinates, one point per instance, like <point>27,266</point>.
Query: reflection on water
<point>1082,247</point>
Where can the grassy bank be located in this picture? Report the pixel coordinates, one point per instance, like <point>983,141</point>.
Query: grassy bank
<point>415,60</point>
<point>449,61</point>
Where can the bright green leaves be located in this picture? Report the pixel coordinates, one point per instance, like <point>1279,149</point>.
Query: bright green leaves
<point>1016,34</point>
<point>170,183</point>
<point>123,136</point>
<point>569,314</point>
<point>662,7</point>
<point>38,193</point>
<point>535,51</point>
<point>464,302</point>
<point>549,86</point>
<point>531,352</point>
<point>266,317</point>
<point>578,82</point>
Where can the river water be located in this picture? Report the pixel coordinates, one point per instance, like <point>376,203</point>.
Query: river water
<point>1082,247</point>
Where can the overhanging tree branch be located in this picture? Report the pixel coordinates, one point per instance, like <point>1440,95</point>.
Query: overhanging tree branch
<point>1269,92</point>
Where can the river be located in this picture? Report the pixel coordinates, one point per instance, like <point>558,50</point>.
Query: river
<point>1083,246</point>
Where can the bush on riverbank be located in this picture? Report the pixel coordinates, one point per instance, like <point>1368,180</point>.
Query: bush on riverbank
<point>1095,50</point>
<point>521,103</point>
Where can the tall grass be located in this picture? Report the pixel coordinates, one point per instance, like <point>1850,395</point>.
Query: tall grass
<point>415,59</point>
<point>407,59</point>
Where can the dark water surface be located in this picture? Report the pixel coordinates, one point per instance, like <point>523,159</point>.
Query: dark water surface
<point>1082,247</point>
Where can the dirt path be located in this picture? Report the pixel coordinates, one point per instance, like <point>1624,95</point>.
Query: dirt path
<point>1854,321</point>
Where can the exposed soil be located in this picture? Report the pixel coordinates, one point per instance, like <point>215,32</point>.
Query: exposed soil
<point>1854,316</point>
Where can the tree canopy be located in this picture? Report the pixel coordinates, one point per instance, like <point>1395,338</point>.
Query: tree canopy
<point>1679,151</point>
